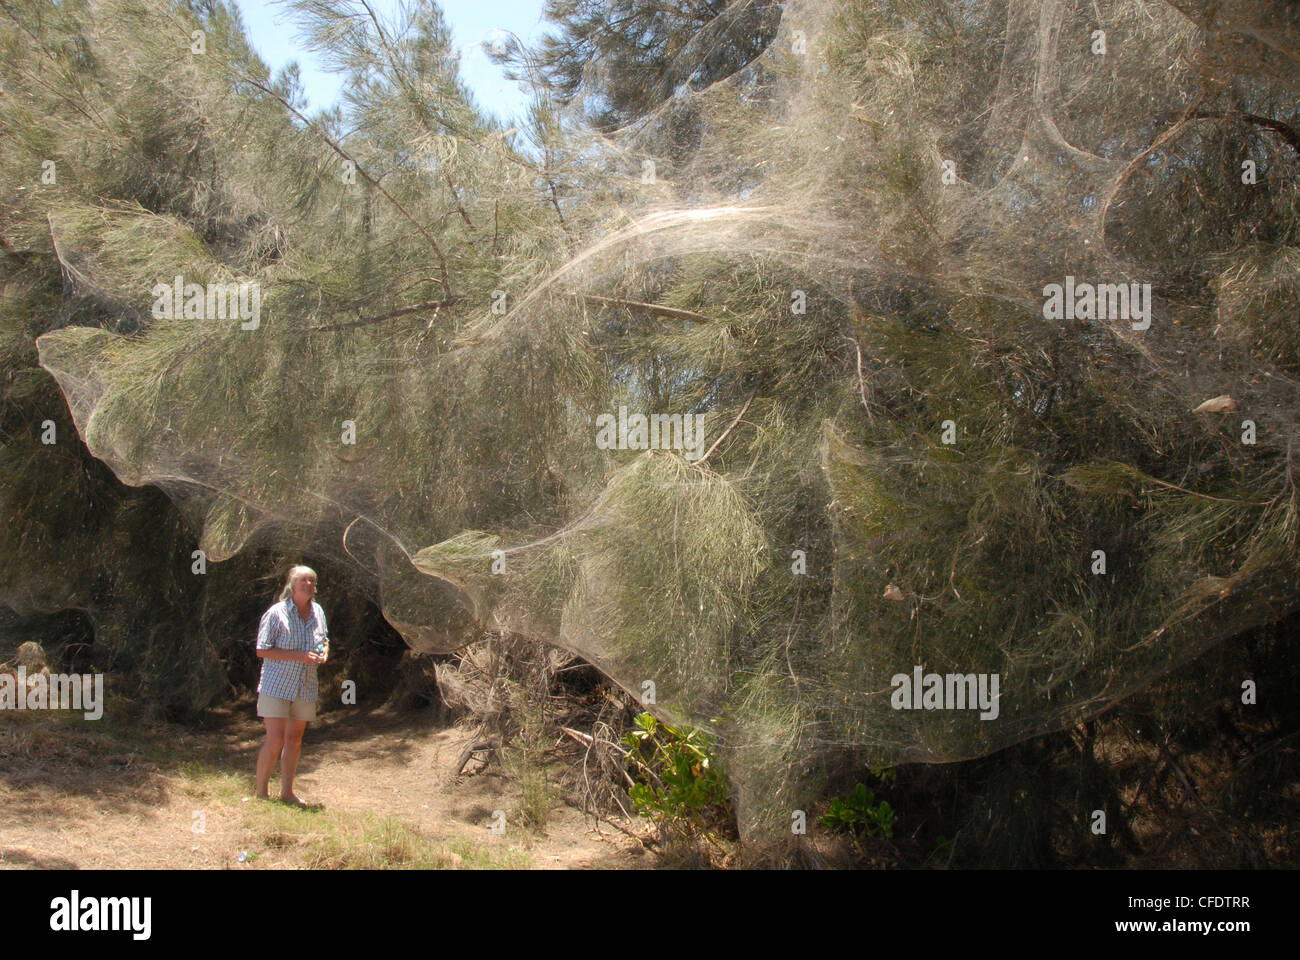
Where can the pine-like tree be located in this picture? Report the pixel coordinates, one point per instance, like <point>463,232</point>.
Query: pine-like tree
<point>842,255</point>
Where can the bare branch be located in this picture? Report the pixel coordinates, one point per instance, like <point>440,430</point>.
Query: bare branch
<point>655,308</point>
<point>1137,161</point>
<point>1286,132</point>
<point>862,383</point>
<point>706,456</point>
<point>391,315</point>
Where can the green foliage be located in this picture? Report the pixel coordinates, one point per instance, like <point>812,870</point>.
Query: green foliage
<point>860,813</point>
<point>682,780</point>
<point>625,57</point>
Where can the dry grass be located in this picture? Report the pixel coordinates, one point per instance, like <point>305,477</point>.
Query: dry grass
<point>333,840</point>
<point>124,794</point>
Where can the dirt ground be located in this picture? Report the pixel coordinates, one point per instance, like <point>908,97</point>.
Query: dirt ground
<point>126,793</point>
<point>75,796</point>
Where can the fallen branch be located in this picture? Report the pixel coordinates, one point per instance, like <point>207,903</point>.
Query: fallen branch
<point>475,745</point>
<point>1187,783</point>
<point>618,826</point>
<point>587,739</point>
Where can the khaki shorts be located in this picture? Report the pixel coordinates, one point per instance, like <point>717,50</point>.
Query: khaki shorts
<point>277,708</point>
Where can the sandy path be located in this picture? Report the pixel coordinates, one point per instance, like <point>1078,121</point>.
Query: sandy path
<point>77,798</point>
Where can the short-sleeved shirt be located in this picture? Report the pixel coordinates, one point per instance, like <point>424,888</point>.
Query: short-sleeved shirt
<point>283,628</point>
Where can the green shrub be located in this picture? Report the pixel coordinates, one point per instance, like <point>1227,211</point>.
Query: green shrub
<point>681,780</point>
<point>860,813</point>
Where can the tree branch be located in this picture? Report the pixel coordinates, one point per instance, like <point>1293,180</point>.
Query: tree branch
<point>655,308</point>
<point>862,382</point>
<point>442,262</point>
<point>390,315</point>
<point>1286,132</point>
<point>1137,161</point>
<point>706,456</point>
<point>456,197</point>
<point>555,202</point>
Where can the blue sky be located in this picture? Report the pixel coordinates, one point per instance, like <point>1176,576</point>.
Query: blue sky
<point>272,34</point>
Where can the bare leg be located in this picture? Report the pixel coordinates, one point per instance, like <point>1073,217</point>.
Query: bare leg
<point>289,759</point>
<point>275,735</point>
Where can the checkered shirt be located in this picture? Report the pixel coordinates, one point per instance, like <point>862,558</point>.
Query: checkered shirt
<point>282,628</point>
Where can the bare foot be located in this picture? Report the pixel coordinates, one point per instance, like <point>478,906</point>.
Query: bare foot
<point>293,801</point>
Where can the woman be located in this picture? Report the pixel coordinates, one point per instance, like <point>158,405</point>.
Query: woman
<point>291,640</point>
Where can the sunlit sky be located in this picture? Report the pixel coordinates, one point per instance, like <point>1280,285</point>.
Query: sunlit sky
<point>271,31</point>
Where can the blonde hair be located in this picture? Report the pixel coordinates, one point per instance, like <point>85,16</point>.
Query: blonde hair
<point>295,572</point>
